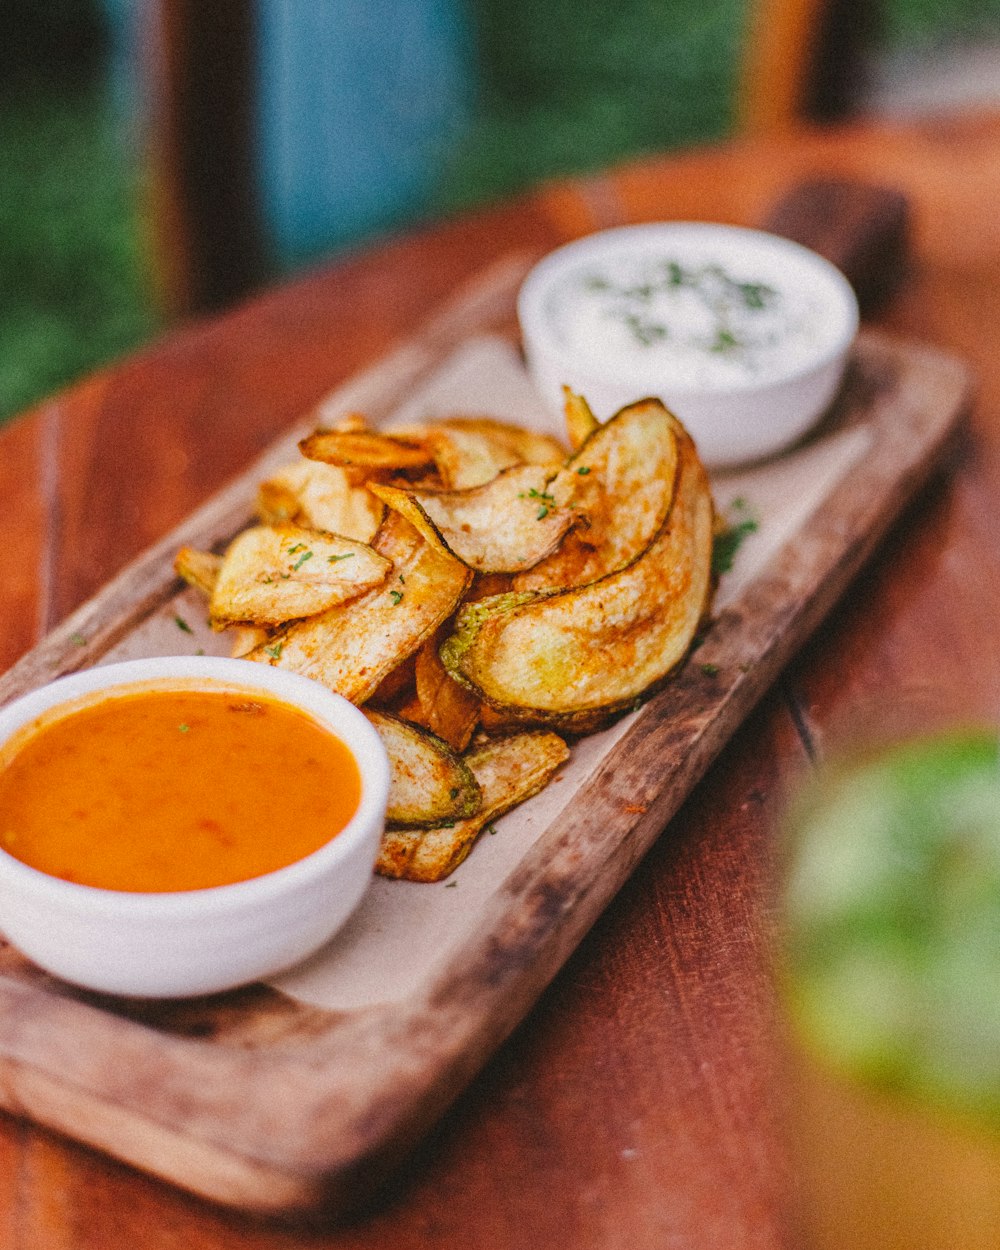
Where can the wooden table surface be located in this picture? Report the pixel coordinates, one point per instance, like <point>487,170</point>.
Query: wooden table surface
<point>639,1104</point>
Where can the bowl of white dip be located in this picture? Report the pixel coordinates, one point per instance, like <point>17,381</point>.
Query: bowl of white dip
<point>742,334</point>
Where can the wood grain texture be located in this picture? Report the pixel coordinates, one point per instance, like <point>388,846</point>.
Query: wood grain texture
<point>655,1038</point>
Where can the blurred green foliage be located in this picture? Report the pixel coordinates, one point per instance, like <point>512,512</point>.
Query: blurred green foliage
<point>566,85</point>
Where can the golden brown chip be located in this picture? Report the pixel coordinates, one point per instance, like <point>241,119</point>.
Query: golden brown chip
<point>527,445</point>
<point>446,708</point>
<point>577,658</point>
<point>508,770</point>
<point>366,449</point>
<point>246,638</point>
<point>428,782</point>
<point>623,487</point>
<point>321,497</point>
<point>273,574</point>
<point>580,419</point>
<point>353,647</point>
<point>507,524</point>
<point>199,569</point>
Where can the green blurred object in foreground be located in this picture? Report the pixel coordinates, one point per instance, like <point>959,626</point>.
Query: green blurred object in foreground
<point>892,913</point>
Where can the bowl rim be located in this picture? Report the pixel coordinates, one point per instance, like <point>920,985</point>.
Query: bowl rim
<point>538,335</point>
<point>331,710</point>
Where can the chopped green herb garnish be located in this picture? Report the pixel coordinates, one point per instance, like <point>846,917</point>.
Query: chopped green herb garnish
<point>78,640</point>
<point>306,555</point>
<point>184,728</point>
<point>297,547</point>
<point>710,670</point>
<point>491,829</point>
<point>182,624</point>
<point>200,651</point>
<point>396,596</point>
<point>450,885</point>
<point>348,555</point>
<point>453,792</point>
<point>583,470</point>
<point>275,650</point>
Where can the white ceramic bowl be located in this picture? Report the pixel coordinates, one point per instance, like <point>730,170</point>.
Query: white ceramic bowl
<point>748,354</point>
<point>197,941</point>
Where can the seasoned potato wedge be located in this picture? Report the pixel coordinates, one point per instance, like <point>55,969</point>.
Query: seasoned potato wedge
<point>199,569</point>
<point>366,449</point>
<point>508,770</point>
<point>507,524</point>
<point>428,782</point>
<point>577,658</point>
<point>353,647</point>
<point>273,574</point>
<point>624,477</point>
<point>321,497</point>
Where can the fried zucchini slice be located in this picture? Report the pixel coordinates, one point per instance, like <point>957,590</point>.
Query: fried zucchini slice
<point>273,574</point>
<point>577,658</point>
<point>623,478</point>
<point>199,569</point>
<point>428,782</point>
<point>445,707</point>
<point>507,524</point>
<point>353,647</point>
<point>508,770</point>
<point>366,449</point>
<point>321,497</point>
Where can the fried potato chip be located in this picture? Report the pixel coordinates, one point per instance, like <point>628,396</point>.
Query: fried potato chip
<point>525,445</point>
<point>428,782</point>
<point>507,524</point>
<point>273,574</point>
<point>353,647</point>
<point>508,770</point>
<point>321,497</point>
<point>580,419</point>
<point>445,707</point>
<point>366,449</point>
<point>199,569</point>
<point>246,638</point>
<point>577,658</point>
<point>624,478</point>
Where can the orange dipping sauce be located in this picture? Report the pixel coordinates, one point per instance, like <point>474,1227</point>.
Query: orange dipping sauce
<point>157,789</point>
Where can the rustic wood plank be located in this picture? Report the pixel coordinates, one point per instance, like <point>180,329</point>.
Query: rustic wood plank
<point>347,1096</point>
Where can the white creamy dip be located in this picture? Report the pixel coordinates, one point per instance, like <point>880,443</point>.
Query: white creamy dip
<point>695,317</point>
<point>743,335</point>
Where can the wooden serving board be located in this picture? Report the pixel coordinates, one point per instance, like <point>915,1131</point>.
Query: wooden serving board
<point>298,1095</point>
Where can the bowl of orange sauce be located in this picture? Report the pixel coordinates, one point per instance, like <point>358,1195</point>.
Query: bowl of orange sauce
<point>185,824</point>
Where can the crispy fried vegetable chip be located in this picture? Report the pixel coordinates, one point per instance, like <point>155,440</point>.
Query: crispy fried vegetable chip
<point>321,497</point>
<point>507,524</point>
<point>580,419</point>
<point>508,770</point>
<point>353,647</point>
<point>273,574</point>
<point>624,477</point>
<point>366,449</point>
<point>428,782</point>
<point>445,707</point>
<point>199,569</point>
<point>577,658</point>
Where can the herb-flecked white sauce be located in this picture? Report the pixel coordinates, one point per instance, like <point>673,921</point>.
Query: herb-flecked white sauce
<point>709,323</point>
